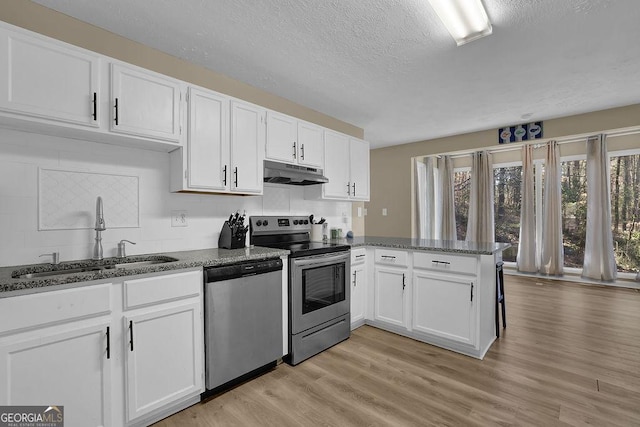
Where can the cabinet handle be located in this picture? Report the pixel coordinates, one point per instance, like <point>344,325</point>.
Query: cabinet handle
<point>224,180</point>
<point>302,151</point>
<point>348,188</point>
<point>236,176</point>
<point>131,334</point>
<point>472,292</point>
<point>440,262</point>
<point>354,189</point>
<point>294,149</point>
<point>388,256</point>
<point>108,343</point>
<point>360,256</point>
<point>116,115</point>
<point>403,282</point>
<point>354,278</point>
<point>95,106</point>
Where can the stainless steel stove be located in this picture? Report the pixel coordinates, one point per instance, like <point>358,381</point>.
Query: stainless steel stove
<point>319,299</point>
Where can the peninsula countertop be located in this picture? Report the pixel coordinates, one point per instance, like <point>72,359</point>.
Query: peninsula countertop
<point>454,246</point>
<point>10,286</point>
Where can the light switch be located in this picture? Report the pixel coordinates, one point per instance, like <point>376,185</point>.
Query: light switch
<point>359,211</point>
<point>384,211</point>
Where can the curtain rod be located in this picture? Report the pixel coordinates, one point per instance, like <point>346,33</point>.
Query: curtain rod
<point>633,130</point>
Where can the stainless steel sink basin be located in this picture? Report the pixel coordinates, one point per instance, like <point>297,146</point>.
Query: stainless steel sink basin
<point>107,264</point>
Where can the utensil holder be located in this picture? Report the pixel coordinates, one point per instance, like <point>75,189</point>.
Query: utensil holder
<point>228,240</point>
<point>316,233</point>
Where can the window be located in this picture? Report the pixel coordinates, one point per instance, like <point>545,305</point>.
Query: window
<point>507,208</point>
<point>461,192</point>
<point>574,211</point>
<point>625,211</point>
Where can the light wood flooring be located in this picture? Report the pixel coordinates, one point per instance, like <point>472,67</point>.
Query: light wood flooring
<point>570,356</point>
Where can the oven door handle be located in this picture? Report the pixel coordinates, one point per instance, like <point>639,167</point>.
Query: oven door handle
<point>322,259</point>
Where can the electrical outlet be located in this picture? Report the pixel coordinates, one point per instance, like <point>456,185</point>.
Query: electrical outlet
<point>359,211</point>
<point>179,219</point>
<point>384,211</point>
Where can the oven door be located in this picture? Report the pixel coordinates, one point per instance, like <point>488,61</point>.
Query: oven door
<point>318,289</point>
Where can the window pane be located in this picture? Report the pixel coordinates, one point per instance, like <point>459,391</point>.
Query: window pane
<point>625,211</point>
<point>461,191</point>
<point>507,208</point>
<point>574,211</point>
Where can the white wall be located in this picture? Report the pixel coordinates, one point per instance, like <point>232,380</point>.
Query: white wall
<point>21,154</point>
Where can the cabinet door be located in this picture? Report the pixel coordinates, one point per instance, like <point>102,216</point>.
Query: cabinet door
<point>145,104</point>
<point>443,305</point>
<point>358,292</point>
<point>359,161</point>
<point>48,80</point>
<point>390,284</point>
<point>336,160</point>
<point>281,144</point>
<point>310,145</point>
<point>164,356</point>
<point>247,148</point>
<point>65,366</point>
<point>208,140</point>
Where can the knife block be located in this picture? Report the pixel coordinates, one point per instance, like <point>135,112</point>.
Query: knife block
<point>228,240</point>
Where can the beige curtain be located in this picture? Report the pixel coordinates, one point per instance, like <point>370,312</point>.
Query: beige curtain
<point>481,226</point>
<point>425,197</point>
<point>599,258</point>
<point>446,214</point>
<point>552,262</point>
<point>526,259</point>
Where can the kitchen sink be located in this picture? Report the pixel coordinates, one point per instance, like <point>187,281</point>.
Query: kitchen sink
<point>107,264</point>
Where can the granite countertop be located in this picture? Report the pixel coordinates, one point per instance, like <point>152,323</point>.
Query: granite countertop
<point>454,246</point>
<point>10,286</point>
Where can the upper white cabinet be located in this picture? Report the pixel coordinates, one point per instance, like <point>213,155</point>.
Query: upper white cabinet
<point>145,104</point>
<point>247,148</point>
<point>290,140</point>
<point>346,167</point>
<point>48,80</point>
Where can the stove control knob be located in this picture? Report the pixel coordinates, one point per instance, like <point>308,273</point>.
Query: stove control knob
<point>295,222</point>
<point>265,222</point>
<point>258,223</point>
<point>306,221</point>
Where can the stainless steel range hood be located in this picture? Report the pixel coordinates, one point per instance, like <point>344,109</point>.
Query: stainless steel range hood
<point>282,173</point>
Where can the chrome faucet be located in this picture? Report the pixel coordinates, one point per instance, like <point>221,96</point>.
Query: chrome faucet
<point>100,227</point>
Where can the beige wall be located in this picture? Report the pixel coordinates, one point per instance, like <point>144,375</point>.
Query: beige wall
<point>40,19</point>
<point>391,169</point>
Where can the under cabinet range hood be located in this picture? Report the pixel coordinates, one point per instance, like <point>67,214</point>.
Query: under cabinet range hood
<point>283,173</point>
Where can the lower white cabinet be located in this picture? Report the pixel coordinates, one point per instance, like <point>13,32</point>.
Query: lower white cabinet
<point>60,365</point>
<point>390,284</point>
<point>112,354</point>
<point>358,287</point>
<point>443,305</point>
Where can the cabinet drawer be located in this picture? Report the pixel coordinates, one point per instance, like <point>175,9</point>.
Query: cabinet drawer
<point>445,262</point>
<point>391,257</point>
<point>28,311</point>
<point>153,290</point>
<point>358,255</point>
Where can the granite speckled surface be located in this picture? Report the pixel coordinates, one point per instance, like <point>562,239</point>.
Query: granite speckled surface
<point>117,267</point>
<point>454,246</point>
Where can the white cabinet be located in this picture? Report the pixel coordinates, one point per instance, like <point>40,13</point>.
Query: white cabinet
<point>293,141</point>
<point>163,357</point>
<point>247,148</point>
<point>144,103</point>
<point>346,167</point>
<point>48,80</point>
<point>358,287</point>
<point>390,285</point>
<point>443,305</point>
<point>204,164</point>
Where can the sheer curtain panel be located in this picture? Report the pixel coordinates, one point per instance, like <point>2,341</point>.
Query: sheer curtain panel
<point>552,262</point>
<point>481,227</point>
<point>599,258</point>
<point>446,214</point>
<point>425,197</point>
<point>526,259</point>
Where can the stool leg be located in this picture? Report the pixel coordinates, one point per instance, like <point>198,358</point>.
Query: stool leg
<point>497,312</point>
<point>503,301</point>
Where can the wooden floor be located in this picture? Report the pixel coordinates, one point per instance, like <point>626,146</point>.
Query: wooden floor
<point>570,356</point>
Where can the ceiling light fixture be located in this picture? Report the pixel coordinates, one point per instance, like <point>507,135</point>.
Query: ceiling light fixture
<point>466,20</point>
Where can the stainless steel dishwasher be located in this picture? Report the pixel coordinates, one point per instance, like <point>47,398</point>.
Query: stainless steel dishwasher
<point>243,321</point>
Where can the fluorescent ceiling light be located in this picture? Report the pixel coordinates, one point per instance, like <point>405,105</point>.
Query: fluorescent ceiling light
<point>466,20</point>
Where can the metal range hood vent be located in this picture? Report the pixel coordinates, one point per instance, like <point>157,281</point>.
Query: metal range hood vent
<point>282,173</point>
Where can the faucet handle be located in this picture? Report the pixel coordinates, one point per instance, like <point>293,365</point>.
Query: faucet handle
<point>121,248</point>
<point>55,257</point>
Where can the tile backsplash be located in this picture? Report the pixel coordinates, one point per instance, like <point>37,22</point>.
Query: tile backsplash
<point>23,154</point>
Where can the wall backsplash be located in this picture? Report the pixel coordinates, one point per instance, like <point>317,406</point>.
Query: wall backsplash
<point>22,154</point>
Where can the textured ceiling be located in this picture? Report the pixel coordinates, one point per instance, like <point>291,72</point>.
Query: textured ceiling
<point>389,66</point>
